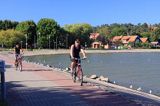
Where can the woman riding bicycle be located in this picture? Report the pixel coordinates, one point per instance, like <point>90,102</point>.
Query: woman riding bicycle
<point>75,50</point>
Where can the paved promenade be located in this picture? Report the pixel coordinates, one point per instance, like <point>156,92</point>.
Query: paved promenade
<point>38,86</point>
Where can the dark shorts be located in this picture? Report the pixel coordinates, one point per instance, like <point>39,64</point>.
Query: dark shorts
<point>16,55</point>
<point>73,60</point>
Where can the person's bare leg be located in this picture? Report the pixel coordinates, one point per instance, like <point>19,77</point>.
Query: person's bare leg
<point>72,66</point>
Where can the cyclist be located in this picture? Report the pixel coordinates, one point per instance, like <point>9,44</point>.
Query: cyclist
<point>75,50</point>
<point>18,51</point>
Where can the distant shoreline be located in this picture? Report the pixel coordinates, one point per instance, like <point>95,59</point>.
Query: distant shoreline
<point>66,51</point>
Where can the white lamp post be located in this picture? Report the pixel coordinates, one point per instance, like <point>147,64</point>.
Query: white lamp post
<point>26,41</point>
<point>49,41</point>
<point>38,34</point>
<point>67,41</point>
<point>21,44</point>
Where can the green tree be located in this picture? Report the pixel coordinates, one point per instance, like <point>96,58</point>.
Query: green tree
<point>105,31</point>
<point>156,34</point>
<point>10,37</point>
<point>28,28</point>
<point>49,29</point>
<point>81,31</point>
<point>42,42</point>
<point>8,24</point>
<point>118,31</point>
<point>129,28</point>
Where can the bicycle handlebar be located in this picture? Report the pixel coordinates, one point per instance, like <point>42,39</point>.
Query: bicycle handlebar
<point>80,58</point>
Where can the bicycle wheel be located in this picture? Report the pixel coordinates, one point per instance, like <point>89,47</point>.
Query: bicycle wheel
<point>19,66</point>
<point>80,75</point>
<point>16,65</point>
<point>74,75</point>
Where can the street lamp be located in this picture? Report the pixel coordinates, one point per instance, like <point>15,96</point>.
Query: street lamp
<point>38,34</point>
<point>34,41</point>
<point>21,44</point>
<point>49,41</point>
<point>54,45</point>
<point>59,44</point>
<point>67,41</point>
<point>26,41</point>
<point>85,44</point>
<point>56,42</point>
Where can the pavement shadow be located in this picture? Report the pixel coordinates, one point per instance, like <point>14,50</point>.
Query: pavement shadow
<point>109,97</point>
<point>8,66</point>
<point>20,95</point>
<point>140,100</point>
<point>103,98</point>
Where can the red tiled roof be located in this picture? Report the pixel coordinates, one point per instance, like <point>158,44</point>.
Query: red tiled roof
<point>125,38</point>
<point>94,35</point>
<point>132,38</point>
<point>144,40</point>
<point>117,38</point>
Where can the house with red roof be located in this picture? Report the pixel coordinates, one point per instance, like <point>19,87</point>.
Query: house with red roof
<point>96,44</point>
<point>126,40</point>
<point>98,40</point>
<point>116,38</point>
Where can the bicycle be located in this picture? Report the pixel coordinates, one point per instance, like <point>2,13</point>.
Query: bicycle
<point>77,72</point>
<point>18,63</point>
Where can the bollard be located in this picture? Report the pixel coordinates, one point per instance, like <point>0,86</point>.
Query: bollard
<point>3,88</point>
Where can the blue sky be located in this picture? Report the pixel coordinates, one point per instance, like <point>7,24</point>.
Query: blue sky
<point>94,12</point>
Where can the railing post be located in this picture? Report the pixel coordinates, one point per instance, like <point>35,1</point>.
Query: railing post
<point>3,87</point>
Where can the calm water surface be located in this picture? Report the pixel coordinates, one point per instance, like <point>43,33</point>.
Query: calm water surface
<point>139,69</point>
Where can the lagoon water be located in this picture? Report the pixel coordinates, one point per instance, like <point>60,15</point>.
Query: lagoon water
<point>137,69</point>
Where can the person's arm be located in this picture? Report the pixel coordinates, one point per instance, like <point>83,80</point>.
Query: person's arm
<point>21,50</point>
<point>83,53</point>
<point>71,51</point>
<point>14,50</point>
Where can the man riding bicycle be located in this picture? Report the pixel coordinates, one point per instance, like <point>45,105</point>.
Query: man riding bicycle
<point>75,50</point>
<point>18,51</point>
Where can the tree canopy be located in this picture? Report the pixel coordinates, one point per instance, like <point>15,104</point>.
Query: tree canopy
<point>47,33</point>
<point>8,24</point>
<point>28,28</point>
<point>81,31</point>
<point>47,28</point>
<point>8,38</point>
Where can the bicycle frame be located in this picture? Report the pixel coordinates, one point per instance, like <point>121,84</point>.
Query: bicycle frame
<point>19,63</point>
<point>78,71</point>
